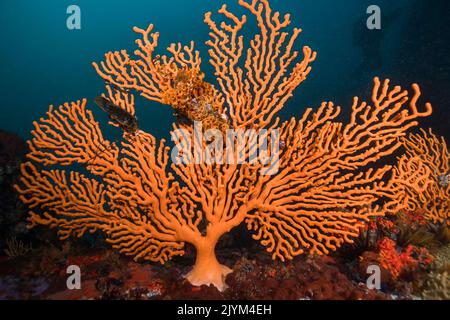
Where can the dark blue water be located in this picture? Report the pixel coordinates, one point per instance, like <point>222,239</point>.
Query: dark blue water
<point>43,63</point>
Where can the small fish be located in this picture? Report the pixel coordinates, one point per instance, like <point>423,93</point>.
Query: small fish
<point>125,120</point>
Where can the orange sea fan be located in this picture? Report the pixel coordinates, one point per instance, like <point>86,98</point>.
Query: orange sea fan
<point>429,195</point>
<point>327,185</point>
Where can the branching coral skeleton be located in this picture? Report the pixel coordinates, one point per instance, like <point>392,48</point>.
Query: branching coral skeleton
<point>149,208</point>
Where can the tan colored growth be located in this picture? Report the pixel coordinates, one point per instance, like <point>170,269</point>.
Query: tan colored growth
<point>149,208</point>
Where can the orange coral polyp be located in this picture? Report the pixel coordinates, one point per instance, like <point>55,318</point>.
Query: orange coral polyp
<point>324,191</point>
<point>399,262</point>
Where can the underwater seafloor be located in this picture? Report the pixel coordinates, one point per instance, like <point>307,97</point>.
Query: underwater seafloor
<point>413,253</point>
<point>33,263</point>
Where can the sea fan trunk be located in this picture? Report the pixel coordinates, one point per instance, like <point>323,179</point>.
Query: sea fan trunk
<point>207,269</point>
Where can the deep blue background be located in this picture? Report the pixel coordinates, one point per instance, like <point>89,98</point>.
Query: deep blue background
<point>43,63</point>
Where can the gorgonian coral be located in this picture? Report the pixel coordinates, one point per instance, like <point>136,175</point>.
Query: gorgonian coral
<point>429,195</point>
<point>327,186</point>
